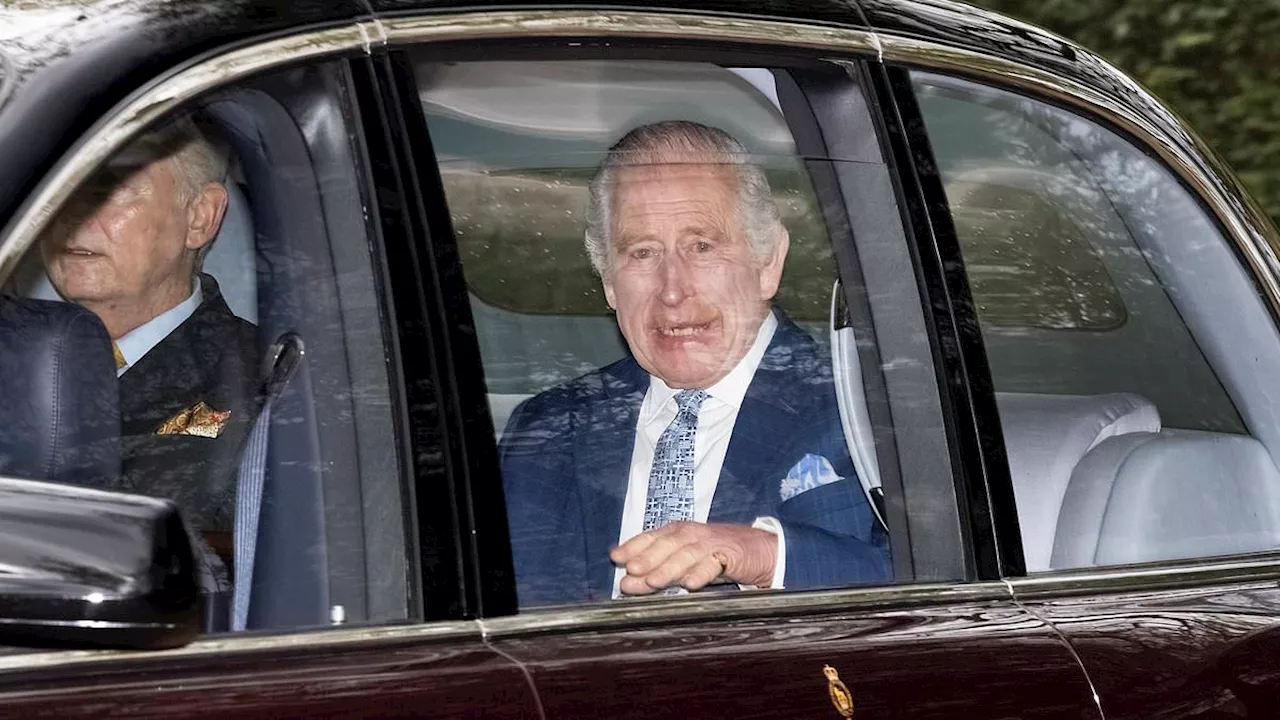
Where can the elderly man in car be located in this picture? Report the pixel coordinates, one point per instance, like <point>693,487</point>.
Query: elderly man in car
<point>713,454</point>
<point>129,247</point>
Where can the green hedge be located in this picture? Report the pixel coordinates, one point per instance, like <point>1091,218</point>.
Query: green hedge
<point>1214,62</point>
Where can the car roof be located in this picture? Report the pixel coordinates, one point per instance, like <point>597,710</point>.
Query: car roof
<point>64,65</point>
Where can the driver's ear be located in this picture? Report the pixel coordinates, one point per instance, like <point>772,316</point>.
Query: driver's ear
<point>771,271</point>
<point>204,215</point>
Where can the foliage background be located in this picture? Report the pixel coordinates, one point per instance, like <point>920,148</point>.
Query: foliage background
<point>1216,63</point>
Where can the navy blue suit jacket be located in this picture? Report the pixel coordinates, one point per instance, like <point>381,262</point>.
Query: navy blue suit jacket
<point>566,458</point>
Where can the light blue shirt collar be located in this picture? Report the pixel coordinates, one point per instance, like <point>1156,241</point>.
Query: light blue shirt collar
<point>138,342</point>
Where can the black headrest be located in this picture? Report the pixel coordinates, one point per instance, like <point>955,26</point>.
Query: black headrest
<point>59,417</point>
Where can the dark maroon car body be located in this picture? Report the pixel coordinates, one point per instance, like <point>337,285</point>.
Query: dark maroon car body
<point>1198,642</point>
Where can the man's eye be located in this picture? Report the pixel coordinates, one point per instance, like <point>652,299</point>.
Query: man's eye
<point>642,253</point>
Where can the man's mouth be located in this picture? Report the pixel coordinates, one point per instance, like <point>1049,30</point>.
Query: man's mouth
<point>81,252</point>
<point>684,330</point>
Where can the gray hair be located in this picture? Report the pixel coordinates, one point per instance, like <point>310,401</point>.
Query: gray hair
<point>198,157</point>
<point>676,141</point>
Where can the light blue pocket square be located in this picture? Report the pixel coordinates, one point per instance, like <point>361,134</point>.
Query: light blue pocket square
<point>812,471</point>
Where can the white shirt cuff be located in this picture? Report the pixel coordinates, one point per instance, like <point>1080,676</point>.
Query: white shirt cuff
<point>770,524</point>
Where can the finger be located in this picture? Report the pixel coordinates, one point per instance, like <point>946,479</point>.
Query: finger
<point>631,548</point>
<point>638,544</point>
<point>708,569</point>
<point>675,566</point>
<point>632,585</point>
<point>654,555</point>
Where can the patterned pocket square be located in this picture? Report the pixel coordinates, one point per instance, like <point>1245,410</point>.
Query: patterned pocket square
<point>199,420</point>
<point>812,471</point>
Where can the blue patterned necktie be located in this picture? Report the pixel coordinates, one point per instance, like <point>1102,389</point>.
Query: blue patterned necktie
<point>670,497</point>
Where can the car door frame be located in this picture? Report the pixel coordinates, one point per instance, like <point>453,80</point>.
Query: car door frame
<point>554,643</point>
<point>437,663</point>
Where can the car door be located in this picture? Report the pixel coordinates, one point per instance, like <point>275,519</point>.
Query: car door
<point>1115,274</point>
<point>504,136</point>
<point>356,598</point>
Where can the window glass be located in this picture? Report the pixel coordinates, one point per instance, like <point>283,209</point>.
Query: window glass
<point>652,276</point>
<point>1123,335</point>
<point>236,340</point>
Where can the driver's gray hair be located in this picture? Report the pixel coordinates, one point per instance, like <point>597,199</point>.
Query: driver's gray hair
<point>680,141</point>
<point>198,157</point>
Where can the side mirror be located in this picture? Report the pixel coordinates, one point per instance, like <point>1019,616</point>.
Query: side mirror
<point>87,568</point>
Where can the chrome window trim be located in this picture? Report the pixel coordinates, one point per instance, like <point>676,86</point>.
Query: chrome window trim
<point>647,612</point>
<point>1261,568</point>
<point>216,645</point>
<point>1255,238</point>
<point>643,612</point>
<point>755,605</point>
<point>636,24</point>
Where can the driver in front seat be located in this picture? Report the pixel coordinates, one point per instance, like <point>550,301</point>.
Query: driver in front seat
<point>129,248</point>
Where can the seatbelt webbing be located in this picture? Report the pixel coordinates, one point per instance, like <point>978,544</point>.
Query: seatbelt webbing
<point>851,398</point>
<point>249,483</point>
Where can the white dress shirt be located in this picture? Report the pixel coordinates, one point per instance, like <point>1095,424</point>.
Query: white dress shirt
<point>716,419</point>
<point>138,342</point>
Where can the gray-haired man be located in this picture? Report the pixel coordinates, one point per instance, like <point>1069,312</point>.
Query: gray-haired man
<point>714,453</point>
<point>128,247</point>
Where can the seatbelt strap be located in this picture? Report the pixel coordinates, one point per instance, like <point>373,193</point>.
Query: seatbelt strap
<point>851,398</point>
<point>252,478</point>
<point>253,471</point>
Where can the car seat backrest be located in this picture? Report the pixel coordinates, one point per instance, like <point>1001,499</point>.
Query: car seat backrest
<point>1166,495</point>
<point>294,274</point>
<point>59,420</point>
<point>1045,437</point>
<point>231,259</point>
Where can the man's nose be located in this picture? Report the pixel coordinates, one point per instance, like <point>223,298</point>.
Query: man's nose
<point>677,280</point>
<point>79,218</point>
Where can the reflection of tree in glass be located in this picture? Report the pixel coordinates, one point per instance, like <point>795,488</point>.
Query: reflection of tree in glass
<point>1045,203</point>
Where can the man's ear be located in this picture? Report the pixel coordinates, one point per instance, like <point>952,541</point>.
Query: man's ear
<point>204,215</point>
<point>771,271</point>
<point>608,292</point>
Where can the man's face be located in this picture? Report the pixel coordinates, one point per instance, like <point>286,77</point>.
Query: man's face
<point>689,293</point>
<point>122,239</point>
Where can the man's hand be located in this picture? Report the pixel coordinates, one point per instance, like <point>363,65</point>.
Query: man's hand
<point>692,555</point>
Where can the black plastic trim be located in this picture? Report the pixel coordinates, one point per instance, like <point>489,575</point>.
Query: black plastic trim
<point>983,488</point>
<point>794,95</point>
<point>482,531</point>
<point>436,534</point>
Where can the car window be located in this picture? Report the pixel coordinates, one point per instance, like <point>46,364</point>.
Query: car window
<point>1124,337</point>
<point>654,290</point>
<point>235,337</point>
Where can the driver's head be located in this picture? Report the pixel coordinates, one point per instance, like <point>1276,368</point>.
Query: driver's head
<point>686,237</point>
<point>130,240</point>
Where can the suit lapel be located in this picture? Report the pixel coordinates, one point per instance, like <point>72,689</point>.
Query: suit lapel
<point>604,448</point>
<point>745,490</point>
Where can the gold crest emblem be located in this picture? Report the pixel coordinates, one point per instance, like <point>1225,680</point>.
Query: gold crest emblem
<point>199,420</point>
<point>841,698</point>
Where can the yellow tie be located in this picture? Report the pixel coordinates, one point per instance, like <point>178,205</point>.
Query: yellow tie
<point>119,356</point>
